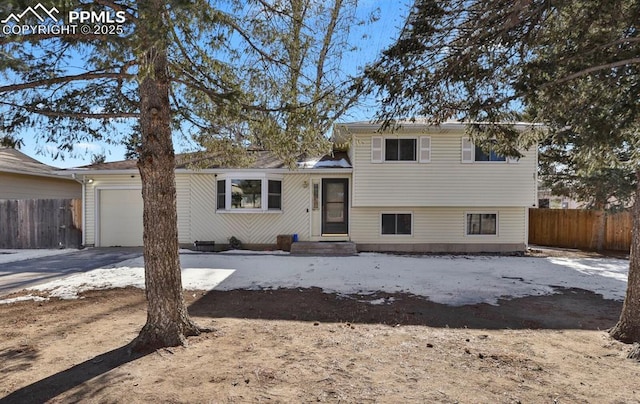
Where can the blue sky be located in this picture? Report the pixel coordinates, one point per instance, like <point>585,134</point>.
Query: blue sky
<point>378,36</point>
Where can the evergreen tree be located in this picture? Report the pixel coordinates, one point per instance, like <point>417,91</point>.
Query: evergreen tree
<point>609,188</point>
<point>228,73</point>
<point>573,66</point>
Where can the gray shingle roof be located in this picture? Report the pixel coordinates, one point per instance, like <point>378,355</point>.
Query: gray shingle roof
<point>262,160</point>
<point>14,161</point>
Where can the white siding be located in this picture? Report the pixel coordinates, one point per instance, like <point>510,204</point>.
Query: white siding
<point>183,204</point>
<point>250,228</point>
<point>103,182</point>
<point>439,225</point>
<point>444,181</point>
<point>203,208</point>
<point>198,219</point>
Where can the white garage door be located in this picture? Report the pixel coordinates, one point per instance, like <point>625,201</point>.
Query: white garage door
<point>120,217</point>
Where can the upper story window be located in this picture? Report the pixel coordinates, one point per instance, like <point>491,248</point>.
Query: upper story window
<point>487,153</point>
<point>393,149</point>
<point>248,193</point>
<point>400,149</point>
<point>477,153</point>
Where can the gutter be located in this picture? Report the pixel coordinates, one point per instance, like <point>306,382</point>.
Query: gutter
<point>84,213</point>
<point>411,127</point>
<point>326,170</point>
<point>53,174</point>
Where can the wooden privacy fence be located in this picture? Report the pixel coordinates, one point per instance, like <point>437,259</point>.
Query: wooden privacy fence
<point>40,223</point>
<point>581,229</point>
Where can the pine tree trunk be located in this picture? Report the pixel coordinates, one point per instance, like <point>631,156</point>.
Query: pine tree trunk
<point>628,327</point>
<point>597,242</point>
<point>168,322</point>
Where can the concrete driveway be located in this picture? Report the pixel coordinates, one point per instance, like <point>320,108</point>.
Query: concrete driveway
<point>15,276</point>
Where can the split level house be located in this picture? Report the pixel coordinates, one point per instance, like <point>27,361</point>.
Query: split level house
<point>421,188</point>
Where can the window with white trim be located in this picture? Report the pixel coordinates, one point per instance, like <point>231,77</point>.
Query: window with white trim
<point>476,153</point>
<point>486,152</point>
<point>274,197</point>
<point>396,224</point>
<point>220,194</point>
<point>482,224</point>
<point>248,193</point>
<point>400,149</point>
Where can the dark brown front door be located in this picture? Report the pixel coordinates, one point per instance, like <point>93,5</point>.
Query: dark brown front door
<point>335,206</point>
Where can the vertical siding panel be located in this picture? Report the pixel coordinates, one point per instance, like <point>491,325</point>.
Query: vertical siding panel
<point>90,215</point>
<point>183,205</point>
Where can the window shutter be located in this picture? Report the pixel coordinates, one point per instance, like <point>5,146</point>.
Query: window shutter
<point>376,149</point>
<point>467,150</point>
<point>425,149</point>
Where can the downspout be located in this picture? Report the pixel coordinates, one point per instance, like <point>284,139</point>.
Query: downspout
<point>84,215</point>
<point>535,198</point>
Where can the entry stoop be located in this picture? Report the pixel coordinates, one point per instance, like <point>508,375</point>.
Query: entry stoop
<point>329,248</point>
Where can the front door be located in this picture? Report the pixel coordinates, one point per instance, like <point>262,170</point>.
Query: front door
<point>335,206</point>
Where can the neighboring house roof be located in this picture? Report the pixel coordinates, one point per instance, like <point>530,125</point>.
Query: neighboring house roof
<point>261,160</point>
<point>15,162</point>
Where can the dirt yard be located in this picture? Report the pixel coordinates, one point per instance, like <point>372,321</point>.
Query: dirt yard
<point>306,346</point>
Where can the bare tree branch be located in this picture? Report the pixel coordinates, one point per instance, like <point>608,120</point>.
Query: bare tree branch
<point>593,69</point>
<point>65,79</point>
<point>72,114</point>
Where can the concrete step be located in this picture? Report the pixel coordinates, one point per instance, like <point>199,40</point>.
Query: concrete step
<point>330,248</point>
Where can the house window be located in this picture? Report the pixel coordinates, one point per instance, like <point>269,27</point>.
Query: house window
<point>400,149</point>
<point>394,149</point>
<point>220,194</point>
<point>396,224</point>
<point>482,224</point>
<point>475,153</point>
<point>488,153</point>
<point>246,194</point>
<point>257,193</point>
<point>274,201</point>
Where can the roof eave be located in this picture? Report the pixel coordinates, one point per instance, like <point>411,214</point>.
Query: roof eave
<point>368,127</point>
<point>341,170</point>
<point>62,176</point>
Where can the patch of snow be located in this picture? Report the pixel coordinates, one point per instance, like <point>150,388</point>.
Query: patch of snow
<point>332,163</point>
<point>316,163</point>
<point>606,267</point>
<point>24,299</point>
<point>308,163</point>
<point>452,280</point>
<point>377,302</point>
